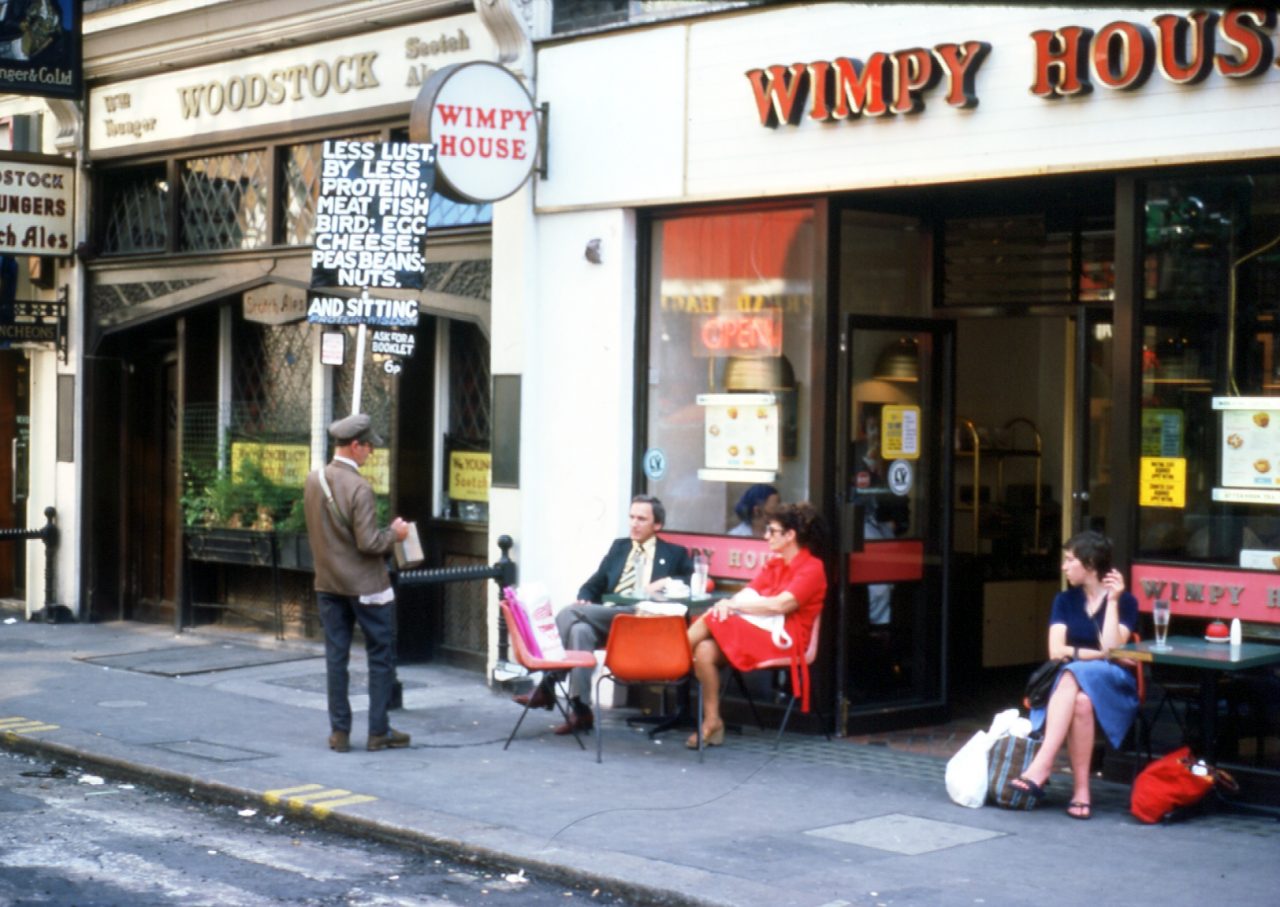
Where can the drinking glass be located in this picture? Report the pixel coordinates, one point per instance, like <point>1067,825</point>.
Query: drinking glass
<point>1160,617</point>
<point>699,580</point>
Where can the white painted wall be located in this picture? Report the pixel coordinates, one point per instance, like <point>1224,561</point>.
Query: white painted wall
<point>622,108</point>
<point>572,337</point>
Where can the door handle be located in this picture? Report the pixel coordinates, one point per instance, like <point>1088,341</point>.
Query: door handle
<point>1080,496</point>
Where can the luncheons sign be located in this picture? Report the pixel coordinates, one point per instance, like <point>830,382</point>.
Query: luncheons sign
<point>485,128</point>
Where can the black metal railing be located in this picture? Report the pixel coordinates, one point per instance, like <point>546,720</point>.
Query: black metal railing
<point>48,533</point>
<point>503,571</point>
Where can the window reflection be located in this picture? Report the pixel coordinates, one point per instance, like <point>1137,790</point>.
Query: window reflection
<point>1211,301</point>
<point>729,361</point>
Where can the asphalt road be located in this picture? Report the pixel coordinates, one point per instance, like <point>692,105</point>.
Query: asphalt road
<point>68,837</point>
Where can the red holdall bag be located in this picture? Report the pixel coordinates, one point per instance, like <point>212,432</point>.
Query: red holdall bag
<point>1172,783</point>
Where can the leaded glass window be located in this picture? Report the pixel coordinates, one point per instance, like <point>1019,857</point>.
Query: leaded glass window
<point>375,389</point>
<point>302,188</point>
<point>468,384</point>
<point>136,202</point>
<point>271,382</point>
<point>224,201</point>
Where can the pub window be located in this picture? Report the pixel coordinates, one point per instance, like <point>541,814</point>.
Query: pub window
<point>469,401</point>
<point>730,339</point>
<point>1209,490</point>
<point>302,188</point>
<point>224,201</point>
<point>136,200</point>
<point>271,381</point>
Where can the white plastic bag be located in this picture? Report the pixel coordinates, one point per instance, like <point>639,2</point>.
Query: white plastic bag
<point>967,770</point>
<point>773,624</point>
<point>534,600</point>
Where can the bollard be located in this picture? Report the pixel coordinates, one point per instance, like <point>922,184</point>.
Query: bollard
<point>504,572</point>
<point>49,535</point>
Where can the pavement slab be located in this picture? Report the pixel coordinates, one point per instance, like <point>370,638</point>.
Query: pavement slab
<point>812,823</point>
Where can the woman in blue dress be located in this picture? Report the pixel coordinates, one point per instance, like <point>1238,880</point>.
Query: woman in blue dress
<point>1092,616</point>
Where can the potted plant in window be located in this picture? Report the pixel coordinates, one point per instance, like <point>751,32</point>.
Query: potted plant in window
<point>237,518</point>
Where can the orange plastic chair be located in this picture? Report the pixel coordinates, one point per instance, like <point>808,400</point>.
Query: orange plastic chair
<point>573,658</point>
<point>784,663</point>
<point>1143,735</point>
<point>646,650</point>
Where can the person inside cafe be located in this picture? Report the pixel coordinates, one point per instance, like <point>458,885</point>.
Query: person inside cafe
<point>743,631</point>
<point>639,565</point>
<point>885,514</point>
<point>750,510</point>
<point>1093,615</point>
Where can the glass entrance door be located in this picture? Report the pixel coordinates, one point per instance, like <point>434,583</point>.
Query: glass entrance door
<point>895,520</point>
<point>1091,454</point>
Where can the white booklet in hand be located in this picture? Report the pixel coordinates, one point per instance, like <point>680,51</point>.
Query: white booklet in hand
<point>409,552</point>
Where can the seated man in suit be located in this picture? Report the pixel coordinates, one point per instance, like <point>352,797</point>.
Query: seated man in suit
<point>640,565</point>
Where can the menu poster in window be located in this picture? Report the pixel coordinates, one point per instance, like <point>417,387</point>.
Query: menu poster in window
<point>741,431</point>
<point>1162,432</point>
<point>284,464</point>
<point>1250,449</point>
<point>900,432</point>
<point>371,215</point>
<point>469,473</point>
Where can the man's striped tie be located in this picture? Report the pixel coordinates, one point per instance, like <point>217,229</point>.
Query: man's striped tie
<point>627,581</point>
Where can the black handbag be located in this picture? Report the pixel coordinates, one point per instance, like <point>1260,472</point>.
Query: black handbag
<point>1040,683</point>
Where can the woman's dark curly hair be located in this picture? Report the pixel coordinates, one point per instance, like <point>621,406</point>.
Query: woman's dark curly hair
<point>1092,549</point>
<point>804,519</point>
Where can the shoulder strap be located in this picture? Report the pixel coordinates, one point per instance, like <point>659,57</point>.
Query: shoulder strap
<point>338,515</point>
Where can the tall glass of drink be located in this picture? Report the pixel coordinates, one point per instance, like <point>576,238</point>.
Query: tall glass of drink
<point>700,570</point>
<point>1160,617</point>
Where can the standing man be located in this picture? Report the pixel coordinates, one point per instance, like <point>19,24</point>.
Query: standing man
<point>352,584</point>
<point>638,565</point>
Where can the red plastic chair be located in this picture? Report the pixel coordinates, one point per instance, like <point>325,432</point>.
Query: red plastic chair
<point>573,658</point>
<point>646,650</point>
<point>784,663</point>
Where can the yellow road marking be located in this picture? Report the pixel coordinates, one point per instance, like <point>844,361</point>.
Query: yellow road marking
<point>317,798</point>
<point>275,796</point>
<point>322,810</point>
<point>14,725</point>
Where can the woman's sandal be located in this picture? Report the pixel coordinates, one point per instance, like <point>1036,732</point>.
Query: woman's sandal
<point>1029,787</point>
<point>1080,810</point>
<point>715,738</point>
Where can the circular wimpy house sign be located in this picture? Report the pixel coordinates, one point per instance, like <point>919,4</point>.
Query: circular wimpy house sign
<point>484,126</point>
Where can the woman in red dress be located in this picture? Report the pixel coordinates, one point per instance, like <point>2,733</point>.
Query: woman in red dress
<point>792,586</point>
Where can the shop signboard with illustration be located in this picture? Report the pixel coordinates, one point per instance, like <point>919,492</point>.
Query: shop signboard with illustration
<point>40,48</point>
<point>1250,451</point>
<point>741,437</point>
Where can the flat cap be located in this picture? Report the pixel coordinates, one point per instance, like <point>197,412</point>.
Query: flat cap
<point>355,427</point>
